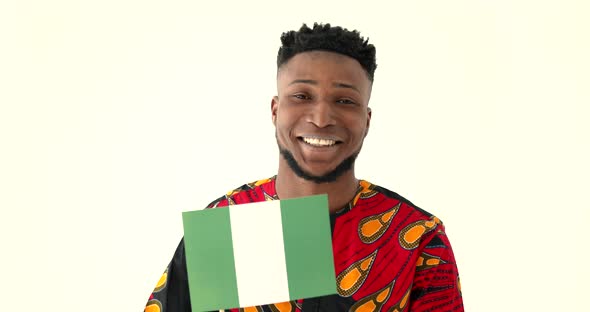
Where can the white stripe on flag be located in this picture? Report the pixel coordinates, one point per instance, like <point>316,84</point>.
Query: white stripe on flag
<point>259,254</point>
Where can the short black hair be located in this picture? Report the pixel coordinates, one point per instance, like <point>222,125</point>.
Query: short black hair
<point>327,38</point>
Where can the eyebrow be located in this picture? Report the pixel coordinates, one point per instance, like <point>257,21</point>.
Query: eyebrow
<point>315,83</point>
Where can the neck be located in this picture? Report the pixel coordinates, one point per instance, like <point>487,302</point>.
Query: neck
<point>340,192</point>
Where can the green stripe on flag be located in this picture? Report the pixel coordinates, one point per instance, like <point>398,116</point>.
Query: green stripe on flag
<point>308,246</point>
<point>210,259</point>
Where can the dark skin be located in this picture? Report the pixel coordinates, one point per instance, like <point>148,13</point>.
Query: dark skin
<point>321,116</point>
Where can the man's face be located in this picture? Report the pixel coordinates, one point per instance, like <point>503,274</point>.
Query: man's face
<point>321,113</point>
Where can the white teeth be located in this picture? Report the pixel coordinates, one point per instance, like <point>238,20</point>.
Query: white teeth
<point>319,142</point>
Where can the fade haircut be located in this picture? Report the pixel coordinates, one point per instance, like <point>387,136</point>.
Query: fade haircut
<point>324,37</point>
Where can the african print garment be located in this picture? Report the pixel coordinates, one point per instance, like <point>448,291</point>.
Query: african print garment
<point>389,255</point>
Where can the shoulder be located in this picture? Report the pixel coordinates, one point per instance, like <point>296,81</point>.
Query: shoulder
<point>413,225</point>
<point>385,196</point>
<point>393,195</point>
<point>259,190</point>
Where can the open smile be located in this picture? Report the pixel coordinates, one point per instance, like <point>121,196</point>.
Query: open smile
<point>316,141</point>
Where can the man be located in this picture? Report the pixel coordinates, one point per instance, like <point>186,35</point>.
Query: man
<point>389,255</point>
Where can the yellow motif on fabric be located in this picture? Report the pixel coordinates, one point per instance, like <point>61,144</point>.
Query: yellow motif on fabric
<point>260,182</point>
<point>351,279</point>
<point>162,282</point>
<point>153,306</point>
<point>283,307</point>
<point>365,190</point>
<point>375,301</point>
<point>427,261</point>
<point>373,227</point>
<point>410,236</point>
<point>401,305</point>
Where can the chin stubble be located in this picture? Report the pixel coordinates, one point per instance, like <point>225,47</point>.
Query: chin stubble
<point>331,176</point>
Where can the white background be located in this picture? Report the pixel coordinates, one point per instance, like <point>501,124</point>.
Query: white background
<point>116,116</point>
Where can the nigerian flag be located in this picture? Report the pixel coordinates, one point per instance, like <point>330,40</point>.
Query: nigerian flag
<point>259,253</point>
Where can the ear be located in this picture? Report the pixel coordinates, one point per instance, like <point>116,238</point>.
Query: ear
<point>274,106</point>
<point>369,112</point>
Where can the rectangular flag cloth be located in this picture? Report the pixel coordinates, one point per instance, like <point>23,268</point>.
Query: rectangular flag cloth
<point>259,253</point>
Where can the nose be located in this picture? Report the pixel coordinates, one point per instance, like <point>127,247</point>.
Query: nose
<point>322,114</point>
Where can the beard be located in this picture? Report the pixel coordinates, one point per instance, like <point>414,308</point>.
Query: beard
<point>331,176</point>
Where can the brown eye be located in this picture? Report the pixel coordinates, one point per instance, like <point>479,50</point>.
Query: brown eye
<point>345,101</point>
<point>300,96</point>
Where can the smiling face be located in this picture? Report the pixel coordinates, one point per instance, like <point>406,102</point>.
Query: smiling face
<point>321,114</point>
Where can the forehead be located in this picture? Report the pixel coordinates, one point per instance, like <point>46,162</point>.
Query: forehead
<point>323,66</point>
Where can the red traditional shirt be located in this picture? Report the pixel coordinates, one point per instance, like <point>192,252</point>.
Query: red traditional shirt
<point>389,255</point>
